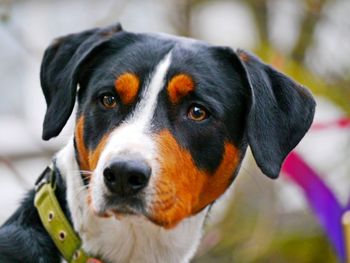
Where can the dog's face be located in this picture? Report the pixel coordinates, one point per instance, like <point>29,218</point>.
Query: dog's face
<point>163,122</point>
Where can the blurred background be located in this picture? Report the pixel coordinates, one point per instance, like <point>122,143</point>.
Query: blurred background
<point>258,220</point>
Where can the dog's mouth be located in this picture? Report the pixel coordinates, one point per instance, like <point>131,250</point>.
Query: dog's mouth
<point>121,206</point>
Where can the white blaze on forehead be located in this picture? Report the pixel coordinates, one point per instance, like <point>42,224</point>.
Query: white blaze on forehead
<point>132,136</point>
<point>146,107</point>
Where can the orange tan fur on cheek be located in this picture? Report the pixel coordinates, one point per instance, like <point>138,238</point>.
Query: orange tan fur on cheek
<point>88,159</point>
<point>182,189</point>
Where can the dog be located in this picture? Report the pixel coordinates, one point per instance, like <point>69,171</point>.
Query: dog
<point>162,126</point>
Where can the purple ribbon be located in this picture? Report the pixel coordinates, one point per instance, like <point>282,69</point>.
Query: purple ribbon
<point>321,199</point>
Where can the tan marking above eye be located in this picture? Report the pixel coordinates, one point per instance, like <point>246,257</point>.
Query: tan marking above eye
<point>180,86</point>
<point>127,86</point>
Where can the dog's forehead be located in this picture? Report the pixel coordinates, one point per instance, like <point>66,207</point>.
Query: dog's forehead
<point>141,54</point>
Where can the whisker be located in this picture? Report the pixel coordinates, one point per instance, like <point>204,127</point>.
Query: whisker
<point>85,171</point>
<point>80,190</point>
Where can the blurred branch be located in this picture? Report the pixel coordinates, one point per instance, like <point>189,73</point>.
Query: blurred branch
<point>260,12</point>
<point>307,28</point>
<point>25,155</point>
<point>181,18</point>
<point>114,10</point>
<point>5,6</point>
<point>14,171</point>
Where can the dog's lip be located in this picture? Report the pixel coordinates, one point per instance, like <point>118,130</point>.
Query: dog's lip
<point>121,209</point>
<point>125,208</point>
<point>121,213</point>
<point>118,213</point>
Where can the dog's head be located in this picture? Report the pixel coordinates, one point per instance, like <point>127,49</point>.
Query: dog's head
<point>163,122</point>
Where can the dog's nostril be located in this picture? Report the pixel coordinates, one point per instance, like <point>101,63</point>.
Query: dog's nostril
<point>138,179</point>
<point>108,175</point>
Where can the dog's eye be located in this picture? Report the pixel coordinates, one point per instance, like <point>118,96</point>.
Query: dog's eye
<point>197,113</point>
<point>108,101</point>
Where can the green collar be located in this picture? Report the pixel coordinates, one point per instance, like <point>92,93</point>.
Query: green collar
<point>55,221</point>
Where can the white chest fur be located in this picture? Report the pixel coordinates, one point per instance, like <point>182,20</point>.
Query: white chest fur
<point>131,238</point>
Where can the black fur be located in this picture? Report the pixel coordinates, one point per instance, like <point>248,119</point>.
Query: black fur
<point>23,237</point>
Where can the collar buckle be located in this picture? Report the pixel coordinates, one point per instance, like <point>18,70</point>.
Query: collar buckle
<point>47,176</point>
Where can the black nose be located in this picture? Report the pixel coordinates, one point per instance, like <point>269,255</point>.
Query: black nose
<point>126,177</point>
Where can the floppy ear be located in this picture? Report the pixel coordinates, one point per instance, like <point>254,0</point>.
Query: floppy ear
<point>59,75</point>
<point>281,112</point>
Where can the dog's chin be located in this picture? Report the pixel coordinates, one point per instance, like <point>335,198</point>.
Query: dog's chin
<point>164,223</point>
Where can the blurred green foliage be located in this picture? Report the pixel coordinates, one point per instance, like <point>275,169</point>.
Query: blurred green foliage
<point>255,229</point>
